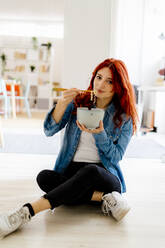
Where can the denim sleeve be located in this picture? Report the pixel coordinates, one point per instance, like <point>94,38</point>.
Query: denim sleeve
<point>50,125</point>
<point>111,151</point>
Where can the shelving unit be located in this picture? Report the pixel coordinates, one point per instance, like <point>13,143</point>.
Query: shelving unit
<point>34,67</point>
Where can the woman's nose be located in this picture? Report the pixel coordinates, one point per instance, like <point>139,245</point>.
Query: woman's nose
<point>101,84</point>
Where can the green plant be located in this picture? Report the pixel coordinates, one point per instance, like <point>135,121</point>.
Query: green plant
<point>35,42</point>
<point>3,58</point>
<point>32,68</point>
<point>34,39</point>
<point>49,45</point>
<point>3,62</point>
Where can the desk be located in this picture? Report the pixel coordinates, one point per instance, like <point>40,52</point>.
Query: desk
<point>141,90</point>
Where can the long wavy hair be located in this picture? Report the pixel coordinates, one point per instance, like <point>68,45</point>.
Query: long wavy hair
<point>124,97</point>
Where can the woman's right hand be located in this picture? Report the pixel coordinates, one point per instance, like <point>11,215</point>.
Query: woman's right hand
<point>69,95</point>
<point>63,102</point>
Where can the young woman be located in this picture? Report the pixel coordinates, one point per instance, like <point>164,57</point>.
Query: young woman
<point>87,168</point>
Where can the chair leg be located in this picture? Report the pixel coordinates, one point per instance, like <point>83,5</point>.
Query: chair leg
<point>6,107</point>
<point>1,136</point>
<point>27,107</point>
<point>9,106</point>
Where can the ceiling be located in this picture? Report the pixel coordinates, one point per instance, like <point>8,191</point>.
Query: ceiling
<point>50,10</point>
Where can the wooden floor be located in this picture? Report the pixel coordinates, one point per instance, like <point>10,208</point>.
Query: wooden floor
<point>82,226</point>
<point>85,226</point>
<point>22,120</point>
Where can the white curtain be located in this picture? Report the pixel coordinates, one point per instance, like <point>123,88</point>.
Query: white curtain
<point>127,22</point>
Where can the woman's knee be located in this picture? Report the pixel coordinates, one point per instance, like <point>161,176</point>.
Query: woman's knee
<point>117,186</point>
<point>42,177</point>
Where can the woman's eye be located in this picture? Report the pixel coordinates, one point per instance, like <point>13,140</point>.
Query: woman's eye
<point>98,77</point>
<point>110,82</point>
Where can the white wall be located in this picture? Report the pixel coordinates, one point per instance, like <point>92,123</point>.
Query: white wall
<point>58,60</point>
<point>86,39</point>
<point>98,29</point>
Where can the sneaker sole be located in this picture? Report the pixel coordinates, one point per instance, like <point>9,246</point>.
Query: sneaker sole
<point>122,215</point>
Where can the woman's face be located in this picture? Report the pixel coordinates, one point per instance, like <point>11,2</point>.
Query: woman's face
<point>103,86</point>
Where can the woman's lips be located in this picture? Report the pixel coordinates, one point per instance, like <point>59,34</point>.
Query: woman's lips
<point>100,91</point>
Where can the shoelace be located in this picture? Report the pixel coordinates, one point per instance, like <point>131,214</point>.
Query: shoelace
<point>108,204</point>
<point>14,218</point>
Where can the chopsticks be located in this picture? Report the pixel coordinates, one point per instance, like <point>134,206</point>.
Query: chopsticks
<point>81,91</point>
<point>63,89</point>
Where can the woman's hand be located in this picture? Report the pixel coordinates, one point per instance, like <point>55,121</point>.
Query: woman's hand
<point>68,96</point>
<point>96,130</point>
<point>63,102</point>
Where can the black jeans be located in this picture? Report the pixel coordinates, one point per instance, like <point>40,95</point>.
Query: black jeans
<point>77,184</point>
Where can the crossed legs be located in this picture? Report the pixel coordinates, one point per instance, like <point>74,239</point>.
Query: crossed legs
<point>80,185</point>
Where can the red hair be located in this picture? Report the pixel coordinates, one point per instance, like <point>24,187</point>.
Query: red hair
<point>124,97</point>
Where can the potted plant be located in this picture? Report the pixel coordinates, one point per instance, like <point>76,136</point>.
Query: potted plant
<point>48,45</point>
<point>35,43</point>
<point>32,68</point>
<point>3,62</point>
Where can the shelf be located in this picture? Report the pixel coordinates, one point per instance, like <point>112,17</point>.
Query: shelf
<point>40,81</point>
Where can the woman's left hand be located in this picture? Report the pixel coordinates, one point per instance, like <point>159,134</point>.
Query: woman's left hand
<point>96,130</point>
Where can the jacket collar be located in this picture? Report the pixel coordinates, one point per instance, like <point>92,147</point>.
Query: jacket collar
<point>111,108</point>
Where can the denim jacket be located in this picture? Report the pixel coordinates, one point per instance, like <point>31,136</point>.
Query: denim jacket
<point>111,143</point>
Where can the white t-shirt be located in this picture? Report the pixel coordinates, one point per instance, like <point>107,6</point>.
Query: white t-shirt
<point>86,150</point>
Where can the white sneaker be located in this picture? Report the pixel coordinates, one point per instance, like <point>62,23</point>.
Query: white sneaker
<point>115,204</point>
<point>12,221</point>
